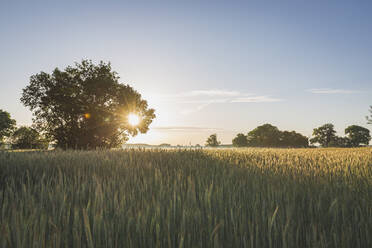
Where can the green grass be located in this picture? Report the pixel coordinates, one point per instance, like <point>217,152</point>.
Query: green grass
<point>187,198</point>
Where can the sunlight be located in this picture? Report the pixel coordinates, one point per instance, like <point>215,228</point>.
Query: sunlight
<point>133,119</point>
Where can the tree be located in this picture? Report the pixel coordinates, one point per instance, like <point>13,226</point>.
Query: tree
<point>357,135</point>
<point>323,135</point>
<point>240,140</point>
<point>339,142</point>
<point>266,135</point>
<point>7,125</point>
<point>212,141</point>
<point>85,106</point>
<point>369,119</point>
<point>293,139</point>
<point>28,138</point>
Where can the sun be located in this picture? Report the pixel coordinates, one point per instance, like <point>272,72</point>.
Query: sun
<point>133,119</point>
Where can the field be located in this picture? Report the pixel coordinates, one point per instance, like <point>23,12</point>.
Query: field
<point>187,198</point>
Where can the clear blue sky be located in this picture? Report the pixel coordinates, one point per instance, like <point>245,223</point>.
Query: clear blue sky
<point>206,66</point>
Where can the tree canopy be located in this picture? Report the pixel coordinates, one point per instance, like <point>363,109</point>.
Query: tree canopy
<point>212,141</point>
<point>324,135</point>
<point>28,138</point>
<point>240,140</point>
<point>357,135</point>
<point>293,139</point>
<point>268,135</point>
<point>85,106</point>
<point>369,118</point>
<point>7,125</point>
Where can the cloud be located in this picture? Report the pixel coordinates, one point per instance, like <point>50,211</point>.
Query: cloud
<point>203,101</point>
<point>209,97</point>
<point>206,97</point>
<point>332,91</point>
<point>212,92</point>
<point>196,109</point>
<point>256,99</point>
<point>187,128</point>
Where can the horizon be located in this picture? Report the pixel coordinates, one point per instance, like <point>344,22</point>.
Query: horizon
<point>205,68</point>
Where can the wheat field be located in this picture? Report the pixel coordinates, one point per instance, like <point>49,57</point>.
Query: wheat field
<point>187,198</point>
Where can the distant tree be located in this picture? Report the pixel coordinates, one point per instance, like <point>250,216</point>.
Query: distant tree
<point>369,119</point>
<point>293,139</point>
<point>165,145</point>
<point>266,135</point>
<point>240,140</point>
<point>357,135</point>
<point>212,141</point>
<point>85,106</point>
<point>339,142</point>
<point>28,138</point>
<point>7,125</point>
<point>323,135</point>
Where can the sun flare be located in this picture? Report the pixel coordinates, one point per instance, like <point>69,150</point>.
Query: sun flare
<point>133,119</point>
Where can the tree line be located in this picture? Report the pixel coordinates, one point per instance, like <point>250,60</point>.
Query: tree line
<point>268,135</point>
<point>19,138</point>
<point>85,106</point>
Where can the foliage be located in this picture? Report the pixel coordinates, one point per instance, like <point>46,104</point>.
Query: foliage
<point>324,135</point>
<point>187,198</point>
<point>240,140</point>
<point>85,106</point>
<point>7,125</point>
<point>357,135</point>
<point>293,139</point>
<point>165,145</point>
<point>369,119</point>
<point>212,141</point>
<point>339,142</point>
<point>28,138</point>
<point>266,135</point>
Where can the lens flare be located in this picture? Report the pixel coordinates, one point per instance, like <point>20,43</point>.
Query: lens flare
<point>133,119</point>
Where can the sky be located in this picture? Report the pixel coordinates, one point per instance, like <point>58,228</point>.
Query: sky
<point>206,67</point>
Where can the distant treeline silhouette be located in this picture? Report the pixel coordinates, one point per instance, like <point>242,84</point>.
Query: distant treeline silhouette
<point>268,135</point>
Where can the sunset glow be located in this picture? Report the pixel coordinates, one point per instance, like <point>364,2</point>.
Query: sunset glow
<point>133,119</point>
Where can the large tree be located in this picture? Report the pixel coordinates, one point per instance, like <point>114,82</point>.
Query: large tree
<point>357,135</point>
<point>240,140</point>
<point>7,125</point>
<point>324,135</point>
<point>85,106</point>
<point>28,138</point>
<point>266,135</point>
<point>212,141</point>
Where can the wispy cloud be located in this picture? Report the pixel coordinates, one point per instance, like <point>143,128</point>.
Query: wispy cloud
<point>187,128</point>
<point>200,99</point>
<point>203,101</point>
<point>196,109</point>
<point>214,96</point>
<point>332,91</point>
<point>256,99</point>
<point>211,93</point>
